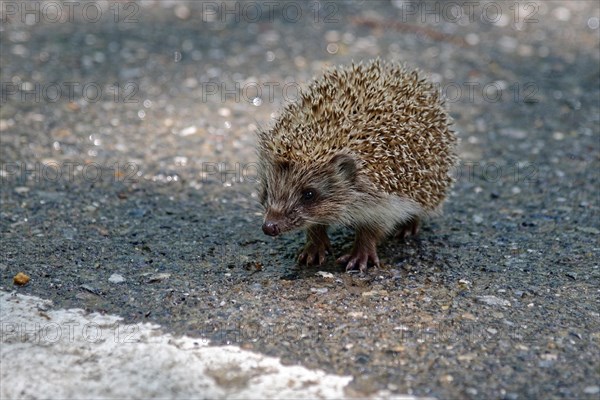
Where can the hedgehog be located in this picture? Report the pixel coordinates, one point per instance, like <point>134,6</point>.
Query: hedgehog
<point>368,146</point>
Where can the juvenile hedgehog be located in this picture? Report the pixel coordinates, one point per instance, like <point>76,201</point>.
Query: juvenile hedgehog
<point>367,146</point>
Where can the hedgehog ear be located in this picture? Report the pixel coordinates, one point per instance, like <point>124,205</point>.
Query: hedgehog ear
<point>345,165</point>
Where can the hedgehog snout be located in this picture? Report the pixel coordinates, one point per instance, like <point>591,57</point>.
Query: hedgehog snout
<point>270,228</point>
<point>272,223</point>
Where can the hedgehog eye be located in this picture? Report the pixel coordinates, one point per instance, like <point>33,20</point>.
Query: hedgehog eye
<point>308,195</point>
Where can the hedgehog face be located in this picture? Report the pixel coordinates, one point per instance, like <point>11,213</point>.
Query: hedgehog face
<point>296,195</point>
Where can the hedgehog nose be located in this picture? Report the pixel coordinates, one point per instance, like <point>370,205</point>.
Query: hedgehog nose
<point>270,228</point>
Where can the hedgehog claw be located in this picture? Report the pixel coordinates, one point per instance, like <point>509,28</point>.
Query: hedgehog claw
<point>363,253</point>
<point>410,228</point>
<point>317,247</point>
<point>360,259</point>
<point>314,254</point>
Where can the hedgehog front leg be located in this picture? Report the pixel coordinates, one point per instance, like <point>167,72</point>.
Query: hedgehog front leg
<point>363,251</point>
<point>317,246</point>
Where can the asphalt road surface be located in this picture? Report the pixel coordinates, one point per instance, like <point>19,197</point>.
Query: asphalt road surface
<point>129,191</point>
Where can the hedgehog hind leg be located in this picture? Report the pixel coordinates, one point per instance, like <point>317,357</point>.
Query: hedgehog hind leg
<point>364,250</point>
<point>317,246</point>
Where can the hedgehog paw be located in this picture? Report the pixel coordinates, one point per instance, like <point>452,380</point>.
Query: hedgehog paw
<point>359,259</point>
<point>363,251</point>
<point>410,228</point>
<point>317,247</point>
<point>314,253</point>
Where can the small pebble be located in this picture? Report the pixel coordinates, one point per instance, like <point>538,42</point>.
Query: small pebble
<point>158,277</point>
<point>558,136</point>
<point>324,274</point>
<point>375,293</point>
<point>513,133</point>
<point>224,112</point>
<point>546,364</point>
<point>562,13</point>
<point>592,390</point>
<point>472,39</point>
<point>90,289</point>
<point>588,229</point>
<point>469,317</point>
<point>466,357</point>
<point>493,301</point>
<point>21,279</point>
<point>182,12</point>
<point>116,278</point>
<point>571,275</point>
<point>190,130</point>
